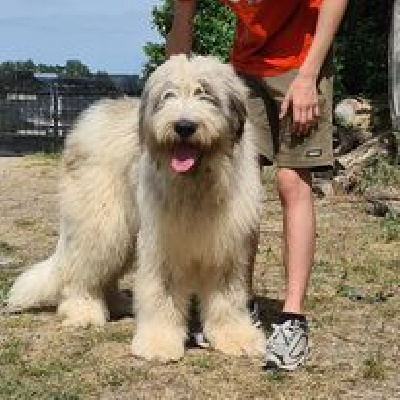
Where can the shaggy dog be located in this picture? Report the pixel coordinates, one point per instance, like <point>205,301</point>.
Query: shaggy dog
<point>179,190</point>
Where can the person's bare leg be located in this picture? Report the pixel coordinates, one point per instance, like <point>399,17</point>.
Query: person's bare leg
<point>294,186</point>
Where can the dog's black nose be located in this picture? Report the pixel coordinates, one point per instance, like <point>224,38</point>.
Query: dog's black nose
<point>185,128</point>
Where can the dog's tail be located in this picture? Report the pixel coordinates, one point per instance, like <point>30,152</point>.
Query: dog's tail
<point>37,287</point>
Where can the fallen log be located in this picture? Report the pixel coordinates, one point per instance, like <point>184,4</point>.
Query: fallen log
<point>382,145</point>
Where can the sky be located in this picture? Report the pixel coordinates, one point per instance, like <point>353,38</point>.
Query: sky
<point>105,35</point>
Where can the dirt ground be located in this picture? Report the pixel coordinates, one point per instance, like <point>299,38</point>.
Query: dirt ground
<point>352,305</point>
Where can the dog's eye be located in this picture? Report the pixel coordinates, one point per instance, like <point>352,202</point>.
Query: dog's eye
<point>198,91</point>
<point>202,93</point>
<point>210,99</point>
<point>169,94</point>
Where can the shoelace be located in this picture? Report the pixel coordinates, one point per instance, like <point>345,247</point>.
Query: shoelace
<point>277,330</point>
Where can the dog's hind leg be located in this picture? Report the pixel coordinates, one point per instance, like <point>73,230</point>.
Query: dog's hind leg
<point>226,320</point>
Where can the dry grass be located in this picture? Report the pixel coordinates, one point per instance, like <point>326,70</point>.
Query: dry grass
<point>353,306</point>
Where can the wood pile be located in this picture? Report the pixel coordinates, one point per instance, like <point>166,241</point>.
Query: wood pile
<point>362,133</point>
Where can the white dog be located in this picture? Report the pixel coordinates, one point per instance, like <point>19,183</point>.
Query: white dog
<point>184,181</point>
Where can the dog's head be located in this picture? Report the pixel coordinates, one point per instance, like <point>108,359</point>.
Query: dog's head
<point>192,108</point>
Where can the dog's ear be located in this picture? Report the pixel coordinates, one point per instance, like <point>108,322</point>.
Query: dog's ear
<point>237,106</point>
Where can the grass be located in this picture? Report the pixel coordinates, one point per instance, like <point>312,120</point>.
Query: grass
<point>6,280</point>
<point>7,248</point>
<point>26,222</point>
<point>390,225</point>
<point>374,366</point>
<point>42,159</point>
<point>11,352</point>
<point>118,336</point>
<point>64,396</point>
<point>380,171</point>
<point>201,363</point>
<point>275,375</point>
<point>45,369</point>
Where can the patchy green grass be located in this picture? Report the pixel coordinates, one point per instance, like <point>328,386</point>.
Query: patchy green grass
<point>275,375</point>
<point>6,280</point>
<point>7,248</point>
<point>201,363</point>
<point>374,366</point>
<point>381,171</point>
<point>42,160</point>
<point>390,225</point>
<point>11,352</point>
<point>26,222</point>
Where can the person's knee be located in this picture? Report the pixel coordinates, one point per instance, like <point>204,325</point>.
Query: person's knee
<point>294,185</point>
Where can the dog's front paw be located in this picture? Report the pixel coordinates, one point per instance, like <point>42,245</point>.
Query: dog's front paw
<point>160,345</point>
<point>83,312</point>
<point>238,339</point>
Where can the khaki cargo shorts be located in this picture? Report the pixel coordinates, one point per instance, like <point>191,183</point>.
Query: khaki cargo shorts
<point>275,140</point>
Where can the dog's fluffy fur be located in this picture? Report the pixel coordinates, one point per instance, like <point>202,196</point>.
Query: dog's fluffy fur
<point>195,224</point>
<point>98,222</point>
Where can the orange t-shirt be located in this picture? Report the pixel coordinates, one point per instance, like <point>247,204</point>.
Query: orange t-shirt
<point>272,36</point>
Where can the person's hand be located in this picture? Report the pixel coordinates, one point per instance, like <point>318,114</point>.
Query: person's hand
<point>302,98</point>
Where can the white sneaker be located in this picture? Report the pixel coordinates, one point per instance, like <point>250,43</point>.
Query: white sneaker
<point>287,347</point>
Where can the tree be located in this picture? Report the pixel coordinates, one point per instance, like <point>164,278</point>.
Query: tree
<point>361,49</point>
<point>24,67</point>
<point>72,68</point>
<point>54,69</point>
<point>213,31</point>
<point>76,69</point>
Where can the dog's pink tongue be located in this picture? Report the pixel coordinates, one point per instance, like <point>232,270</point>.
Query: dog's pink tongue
<point>183,158</point>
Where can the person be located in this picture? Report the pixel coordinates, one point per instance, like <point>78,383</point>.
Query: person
<point>283,51</point>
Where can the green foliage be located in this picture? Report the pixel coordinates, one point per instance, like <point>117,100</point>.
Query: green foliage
<point>213,31</point>
<point>72,68</point>
<point>380,171</point>
<point>76,69</point>
<point>18,66</point>
<point>214,28</point>
<point>155,56</point>
<point>361,49</point>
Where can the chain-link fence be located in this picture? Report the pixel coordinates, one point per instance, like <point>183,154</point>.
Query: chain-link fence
<point>37,110</point>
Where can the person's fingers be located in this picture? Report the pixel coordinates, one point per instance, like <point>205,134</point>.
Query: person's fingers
<point>303,123</point>
<point>316,109</point>
<point>311,118</point>
<point>305,118</point>
<point>284,105</point>
<point>296,118</point>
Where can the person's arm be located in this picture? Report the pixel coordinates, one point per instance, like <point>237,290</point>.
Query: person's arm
<point>179,39</point>
<point>302,94</point>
